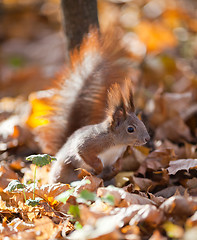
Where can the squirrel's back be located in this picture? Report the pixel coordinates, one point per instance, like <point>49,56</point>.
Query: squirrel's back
<point>82,95</point>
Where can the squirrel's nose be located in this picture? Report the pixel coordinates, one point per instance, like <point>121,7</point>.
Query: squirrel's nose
<point>147,138</point>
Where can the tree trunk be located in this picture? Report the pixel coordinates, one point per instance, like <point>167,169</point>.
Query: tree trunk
<point>78,16</point>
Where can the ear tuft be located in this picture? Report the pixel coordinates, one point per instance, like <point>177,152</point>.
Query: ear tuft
<point>116,105</point>
<point>115,99</point>
<point>120,97</point>
<point>128,95</point>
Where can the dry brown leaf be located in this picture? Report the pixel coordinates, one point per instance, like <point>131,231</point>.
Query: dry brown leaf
<point>46,192</point>
<point>92,214</point>
<point>191,150</point>
<point>6,207</point>
<point>121,216</point>
<point>97,226</point>
<point>180,151</point>
<point>179,206</point>
<point>157,199</point>
<point>170,191</point>
<point>12,229</point>
<point>144,184</point>
<point>168,106</point>
<point>97,233</point>
<point>149,214</point>
<point>151,26</point>
<point>45,228</point>
<point>128,229</point>
<point>192,221</point>
<point>123,198</point>
<point>181,164</point>
<point>189,183</point>
<point>14,133</point>
<point>17,164</point>
<point>174,129</point>
<point>6,176</point>
<point>51,190</point>
<point>20,225</point>
<point>157,159</point>
<point>95,181</point>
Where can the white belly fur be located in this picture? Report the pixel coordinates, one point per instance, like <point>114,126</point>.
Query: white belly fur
<point>111,155</point>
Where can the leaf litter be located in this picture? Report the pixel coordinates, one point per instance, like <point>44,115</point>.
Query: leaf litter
<point>156,197</point>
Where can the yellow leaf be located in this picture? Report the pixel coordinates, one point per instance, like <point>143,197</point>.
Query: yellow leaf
<point>39,110</point>
<point>172,230</point>
<point>156,36</point>
<point>174,17</point>
<point>143,150</point>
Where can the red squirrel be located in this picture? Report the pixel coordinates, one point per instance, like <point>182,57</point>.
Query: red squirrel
<point>94,120</point>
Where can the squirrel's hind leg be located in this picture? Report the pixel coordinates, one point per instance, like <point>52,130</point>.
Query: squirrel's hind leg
<point>62,172</point>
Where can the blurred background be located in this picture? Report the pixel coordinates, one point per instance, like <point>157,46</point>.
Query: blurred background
<point>161,37</point>
<point>160,34</point>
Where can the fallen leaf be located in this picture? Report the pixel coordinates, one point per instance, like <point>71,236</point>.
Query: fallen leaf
<point>157,160</point>
<point>172,230</point>
<point>175,130</point>
<point>144,184</point>
<point>156,37</point>
<point>123,198</point>
<point>6,176</point>
<point>39,108</point>
<point>45,228</point>
<point>181,164</point>
<point>170,191</point>
<point>179,206</point>
<point>192,221</point>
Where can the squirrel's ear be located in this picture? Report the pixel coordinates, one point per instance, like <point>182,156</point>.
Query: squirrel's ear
<point>118,117</point>
<point>116,105</point>
<point>127,91</point>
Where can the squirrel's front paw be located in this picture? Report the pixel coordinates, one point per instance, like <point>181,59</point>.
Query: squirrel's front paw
<point>117,166</point>
<point>98,168</point>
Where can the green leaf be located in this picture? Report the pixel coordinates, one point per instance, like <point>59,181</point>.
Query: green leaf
<point>17,61</point>
<point>63,197</point>
<point>14,184</point>
<point>33,202</point>
<point>87,195</point>
<point>41,159</point>
<point>108,199</point>
<point>74,210</point>
<point>78,225</point>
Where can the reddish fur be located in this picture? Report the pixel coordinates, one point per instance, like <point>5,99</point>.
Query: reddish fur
<point>120,96</point>
<point>109,66</point>
<point>128,95</point>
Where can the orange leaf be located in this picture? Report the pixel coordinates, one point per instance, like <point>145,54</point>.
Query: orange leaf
<point>40,109</point>
<point>156,36</point>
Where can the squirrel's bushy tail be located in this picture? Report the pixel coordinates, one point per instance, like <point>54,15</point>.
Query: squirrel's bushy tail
<point>82,98</point>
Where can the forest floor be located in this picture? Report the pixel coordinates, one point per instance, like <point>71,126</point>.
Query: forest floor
<point>156,198</point>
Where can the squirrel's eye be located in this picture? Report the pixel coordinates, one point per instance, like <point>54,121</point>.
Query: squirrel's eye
<point>130,129</point>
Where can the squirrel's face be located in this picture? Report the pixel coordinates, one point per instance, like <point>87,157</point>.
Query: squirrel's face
<point>128,129</point>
